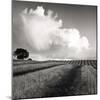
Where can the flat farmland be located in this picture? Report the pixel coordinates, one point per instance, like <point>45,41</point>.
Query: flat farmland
<point>35,79</point>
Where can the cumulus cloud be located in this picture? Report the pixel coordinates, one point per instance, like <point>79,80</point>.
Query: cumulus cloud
<point>39,27</point>
<point>74,40</point>
<point>44,30</point>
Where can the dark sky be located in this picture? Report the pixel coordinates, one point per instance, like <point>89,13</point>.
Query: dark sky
<point>80,17</point>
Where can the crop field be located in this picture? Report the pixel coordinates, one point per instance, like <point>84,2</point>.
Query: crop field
<point>35,79</point>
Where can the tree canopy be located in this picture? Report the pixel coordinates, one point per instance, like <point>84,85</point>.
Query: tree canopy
<point>21,53</point>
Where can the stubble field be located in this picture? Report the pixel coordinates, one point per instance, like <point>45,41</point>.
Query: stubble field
<point>35,79</point>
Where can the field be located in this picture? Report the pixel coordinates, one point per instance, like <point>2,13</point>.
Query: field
<point>35,79</point>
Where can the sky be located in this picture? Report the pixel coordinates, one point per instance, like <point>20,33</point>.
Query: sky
<point>54,31</point>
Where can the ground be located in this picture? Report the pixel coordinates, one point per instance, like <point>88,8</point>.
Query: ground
<point>34,79</point>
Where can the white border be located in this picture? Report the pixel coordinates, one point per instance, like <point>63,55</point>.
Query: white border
<point>5,49</point>
<point>83,2</point>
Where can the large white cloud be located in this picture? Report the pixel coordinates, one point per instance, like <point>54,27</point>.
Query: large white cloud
<point>44,30</point>
<point>39,28</point>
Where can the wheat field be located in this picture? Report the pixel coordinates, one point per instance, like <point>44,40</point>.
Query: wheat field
<point>35,79</point>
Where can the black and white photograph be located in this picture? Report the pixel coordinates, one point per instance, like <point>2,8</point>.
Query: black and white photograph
<point>54,49</point>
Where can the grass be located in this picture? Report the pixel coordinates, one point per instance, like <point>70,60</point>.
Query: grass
<point>52,79</point>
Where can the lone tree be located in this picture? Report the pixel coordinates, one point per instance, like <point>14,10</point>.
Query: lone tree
<point>21,53</point>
